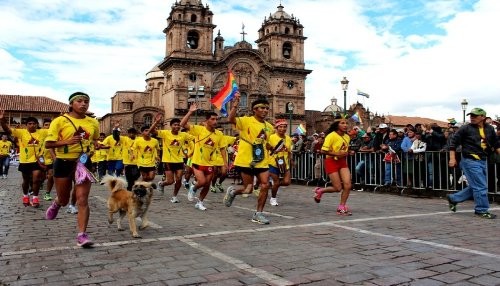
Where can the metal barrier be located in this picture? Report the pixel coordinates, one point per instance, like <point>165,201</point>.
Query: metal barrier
<point>420,172</point>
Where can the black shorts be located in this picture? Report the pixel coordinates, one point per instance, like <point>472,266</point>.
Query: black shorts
<point>251,171</point>
<point>28,168</point>
<point>146,169</point>
<point>66,168</point>
<point>172,167</point>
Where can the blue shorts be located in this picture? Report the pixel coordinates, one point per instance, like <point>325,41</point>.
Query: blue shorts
<point>274,170</point>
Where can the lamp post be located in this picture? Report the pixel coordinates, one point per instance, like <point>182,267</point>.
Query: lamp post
<point>289,110</point>
<point>464,106</point>
<point>344,82</point>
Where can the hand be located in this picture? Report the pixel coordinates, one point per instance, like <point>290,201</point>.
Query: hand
<point>116,124</point>
<point>158,118</point>
<point>193,107</point>
<point>75,139</point>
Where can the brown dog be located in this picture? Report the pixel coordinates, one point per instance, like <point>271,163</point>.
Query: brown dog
<point>134,203</point>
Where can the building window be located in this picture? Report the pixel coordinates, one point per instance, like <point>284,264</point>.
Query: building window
<point>243,100</point>
<point>148,120</point>
<point>127,105</point>
<point>192,39</point>
<point>287,30</point>
<point>193,18</point>
<point>287,50</point>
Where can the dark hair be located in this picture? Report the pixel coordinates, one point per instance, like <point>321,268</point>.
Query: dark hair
<point>174,120</point>
<point>32,119</point>
<point>47,120</point>
<point>335,125</point>
<point>394,131</point>
<point>102,134</point>
<point>144,127</point>
<point>210,114</point>
<point>259,101</point>
<point>132,130</point>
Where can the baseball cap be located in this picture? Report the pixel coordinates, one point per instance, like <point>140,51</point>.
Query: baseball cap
<point>477,111</point>
<point>382,125</point>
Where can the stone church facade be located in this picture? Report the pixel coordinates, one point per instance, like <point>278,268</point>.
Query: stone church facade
<point>196,64</point>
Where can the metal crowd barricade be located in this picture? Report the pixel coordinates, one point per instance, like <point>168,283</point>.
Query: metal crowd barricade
<point>422,172</point>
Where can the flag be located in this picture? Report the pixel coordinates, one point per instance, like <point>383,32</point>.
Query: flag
<point>300,129</point>
<point>226,94</point>
<point>356,117</point>
<point>363,94</point>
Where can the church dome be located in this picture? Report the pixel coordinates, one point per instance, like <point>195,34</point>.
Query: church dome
<point>281,13</point>
<point>333,108</point>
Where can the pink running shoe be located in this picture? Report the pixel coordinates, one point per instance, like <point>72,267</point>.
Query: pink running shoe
<point>317,194</point>
<point>52,211</point>
<point>83,240</point>
<point>343,211</point>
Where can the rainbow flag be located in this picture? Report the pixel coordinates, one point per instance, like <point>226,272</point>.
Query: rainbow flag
<point>226,94</point>
<point>300,129</point>
<point>356,117</point>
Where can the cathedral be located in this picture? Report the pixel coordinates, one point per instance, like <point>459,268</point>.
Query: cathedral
<point>196,64</point>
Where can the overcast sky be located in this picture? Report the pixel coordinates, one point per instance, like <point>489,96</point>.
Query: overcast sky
<point>415,58</point>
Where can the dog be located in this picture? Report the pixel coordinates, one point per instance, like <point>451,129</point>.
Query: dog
<point>134,204</point>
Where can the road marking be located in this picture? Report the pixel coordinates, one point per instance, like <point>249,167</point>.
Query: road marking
<point>268,277</point>
<point>268,213</point>
<point>151,224</point>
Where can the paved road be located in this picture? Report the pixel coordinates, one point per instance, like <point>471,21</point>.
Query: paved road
<point>390,240</point>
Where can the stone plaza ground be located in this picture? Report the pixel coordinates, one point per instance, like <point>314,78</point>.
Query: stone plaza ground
<point>389,240</point>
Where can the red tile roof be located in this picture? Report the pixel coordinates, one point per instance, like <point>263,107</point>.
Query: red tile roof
<point>401,121</point>
<point>31,103</point>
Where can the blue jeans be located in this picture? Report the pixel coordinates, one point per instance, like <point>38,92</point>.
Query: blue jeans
<point>389,173</point>
<point>4,165</point>
<point>477,188</point>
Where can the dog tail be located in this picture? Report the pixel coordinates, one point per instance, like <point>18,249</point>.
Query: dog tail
<point>114,183</point>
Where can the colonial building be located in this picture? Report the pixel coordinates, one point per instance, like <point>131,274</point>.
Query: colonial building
<point>196,64</point>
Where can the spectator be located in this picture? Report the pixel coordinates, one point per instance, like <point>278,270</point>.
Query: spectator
<point>391,158</point>
<point>364,157</point>
<point>436,164</point>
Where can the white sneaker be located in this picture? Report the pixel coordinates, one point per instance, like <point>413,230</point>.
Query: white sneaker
<point>161,187</point>
<point>274,201</point>
<point>174,200</point>
<point>199,205</point>
<point>4,176</point>
<point>72,209</point>
<point>191,193</point>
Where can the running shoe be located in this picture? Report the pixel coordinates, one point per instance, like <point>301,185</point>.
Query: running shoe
<point>26,201</point>
<point>219,187</point>
<point>47,197</point>
<point>185,184</point>
<point>229,197</point>
<point>35,202</point>
<point>72,209</point>
<point>486,215</point>
<point>452,205</point>
<point>213,189</point>
<point>199,205</point>
<point>83,240</point>
<point>174,200</point>
<point>273,201</point>
<point>161,187</point>
<point>259,218</point>
<point>317,194</point>
<point>52,211</point>
<point>343,211</point>
<point>191,193</point>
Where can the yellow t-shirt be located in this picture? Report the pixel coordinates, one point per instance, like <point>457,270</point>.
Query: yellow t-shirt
<point>100,154</point>
<point>206,143</point>
<point>188,148</point>
<point>128,156</point>
<point>62,129</point>
<point>5,147</point>
<point>173,145</point>
<point>218,160</point>
<point>30,144</point>
<point>284,152</point>
<point>115,151</point>
<point>46,155</point>
<point>336,143</point>
<point>146,150</point>
<point>252,131</point>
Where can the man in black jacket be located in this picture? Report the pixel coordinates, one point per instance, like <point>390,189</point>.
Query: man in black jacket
<point>478,140</point>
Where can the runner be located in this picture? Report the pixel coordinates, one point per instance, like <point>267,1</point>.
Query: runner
<point>145,150</point>
<point>71,135</point>
<point>252,158</point>
<point>219,176</point>
<point>115,152</point>
<point>336,149</point>
<point>30,141</point>
<point>207,140</point>
<point>280,159</point>
<point>49,155</point>
<point>5,147</point>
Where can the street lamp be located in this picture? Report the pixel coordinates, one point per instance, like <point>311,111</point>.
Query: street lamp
<point>344,82</point>
<point>464,106</point>
<point>289,110</point>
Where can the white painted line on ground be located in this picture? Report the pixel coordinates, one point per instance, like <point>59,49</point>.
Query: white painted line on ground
<point>266,276</point>
<point>151,224</point>
<point>268,213</point>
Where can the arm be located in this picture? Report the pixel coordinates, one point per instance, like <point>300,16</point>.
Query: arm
<point>152,128</point>
<point>185,119</point>
<point>232,112</point>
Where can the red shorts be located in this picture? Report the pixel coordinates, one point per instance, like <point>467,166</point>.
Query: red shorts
<point>207,170</point>
<point>333,166</point>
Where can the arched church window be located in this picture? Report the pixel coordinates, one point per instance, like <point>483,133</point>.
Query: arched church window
<point>287,30</point>
<point>192,39</point>
<point>208,20</point>
<point>193,18</point>
<point>147,120</point>
<point>287,50</point>
<point>243,100</point>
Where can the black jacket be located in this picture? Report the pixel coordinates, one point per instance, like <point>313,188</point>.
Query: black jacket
<point>468,136</point>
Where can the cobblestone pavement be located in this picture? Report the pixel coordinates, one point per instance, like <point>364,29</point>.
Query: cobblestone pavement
<point>390,240</point>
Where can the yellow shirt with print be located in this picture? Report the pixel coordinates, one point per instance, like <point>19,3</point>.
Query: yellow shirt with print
<point>100,154</point>
<point>115,151</point>
<point>62,129</point>
<point>284,151</point>
<point>30,144</point>
<point>146,150</point>
<point>5,147</point>
<point>173,145</point>
<point>217,157</point>
<point>46,155</point>
<point>206,143</point>
<point>128,156</point>
<point>336,143</point>
<point>251,132</point>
